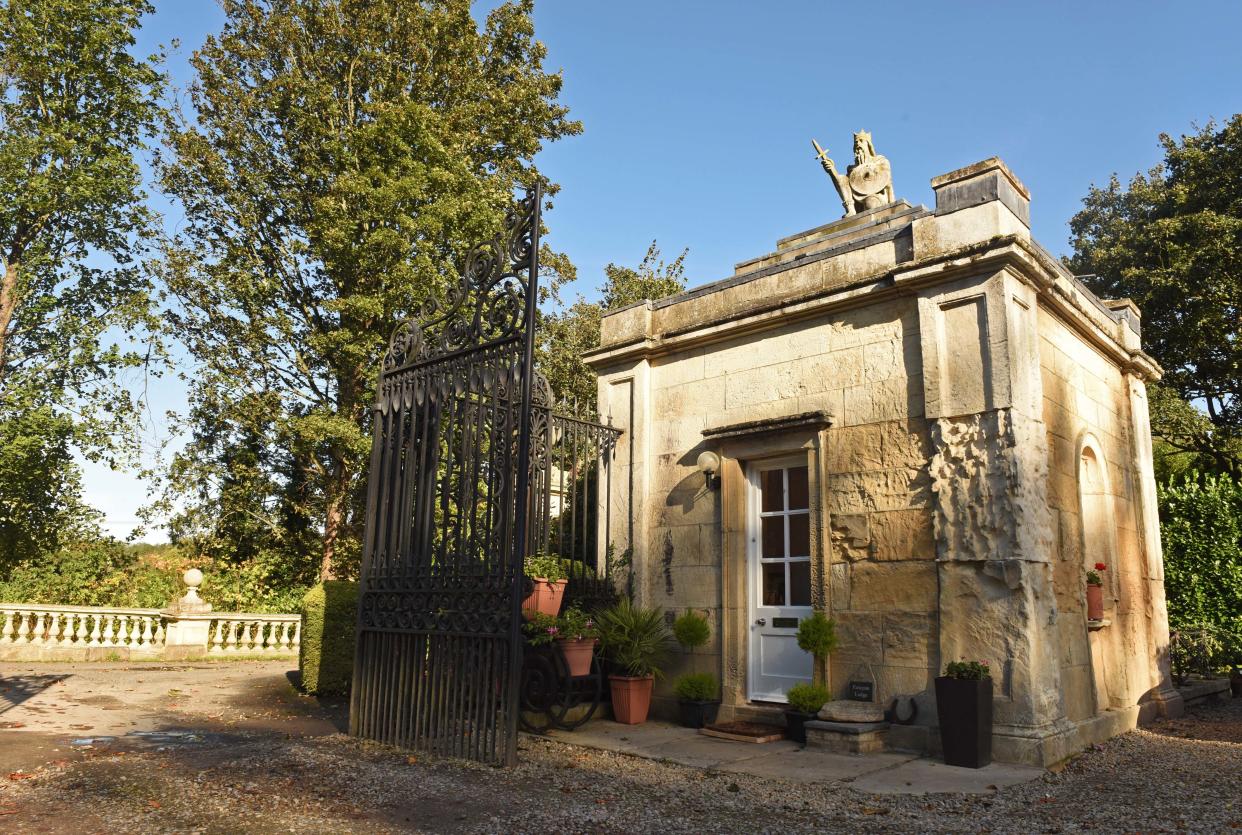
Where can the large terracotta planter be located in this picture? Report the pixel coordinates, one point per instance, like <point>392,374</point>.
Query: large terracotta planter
<point>1095,602</point>
<point>578,655</point>
<point>964,708</point>
<point>631,698</point>
<point>546,598</point>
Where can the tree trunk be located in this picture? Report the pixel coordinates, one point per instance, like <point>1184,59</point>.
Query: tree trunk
<point>8,305</point>
<point>334,518</point>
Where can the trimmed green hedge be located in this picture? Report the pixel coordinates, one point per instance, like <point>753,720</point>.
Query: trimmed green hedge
<point>326,658</point>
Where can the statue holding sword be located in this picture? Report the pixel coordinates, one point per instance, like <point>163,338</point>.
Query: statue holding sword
<point>867,184</point>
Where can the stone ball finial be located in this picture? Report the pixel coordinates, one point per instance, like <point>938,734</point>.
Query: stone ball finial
<point>191,603</point>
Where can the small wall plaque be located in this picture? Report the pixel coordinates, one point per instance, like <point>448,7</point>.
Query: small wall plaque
<point>861,691</point>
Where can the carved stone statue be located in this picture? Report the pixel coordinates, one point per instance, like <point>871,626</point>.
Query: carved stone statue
<point>868,183</point>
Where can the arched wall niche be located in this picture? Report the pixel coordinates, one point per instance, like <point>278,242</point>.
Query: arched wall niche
<point>1095,505</point>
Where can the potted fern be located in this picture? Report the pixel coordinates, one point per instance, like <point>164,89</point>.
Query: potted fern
<point>636,640</point>
<point>547,573</point>
<point>697,693</point>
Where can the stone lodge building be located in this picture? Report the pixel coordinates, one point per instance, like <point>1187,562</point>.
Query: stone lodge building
<point>928,428</point>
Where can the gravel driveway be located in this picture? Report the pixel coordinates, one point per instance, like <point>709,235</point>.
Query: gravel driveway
<point>1183,775</point>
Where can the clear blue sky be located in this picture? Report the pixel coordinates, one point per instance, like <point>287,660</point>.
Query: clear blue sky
<point>698,116</point>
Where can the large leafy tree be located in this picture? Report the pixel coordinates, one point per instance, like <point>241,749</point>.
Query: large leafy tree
<point>1172,241</point>
<point>340,157</point>
<point>75,108</point>
<point>567,335</point>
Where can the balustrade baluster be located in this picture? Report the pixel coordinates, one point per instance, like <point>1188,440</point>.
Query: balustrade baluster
<point>51,637</point>
<point>22,625</point>
<point>246,639</point>
<point>158,638</point>
<point>7,629</point>
<point>122,638</point>
<point>107,630</point>
<point>66,632</point>
<point>269,635</point>
<point>80,634</point>
<point>297,634</point>
<point>232,641</point>
<point>146,631</point>
<point>284,643</point>
<point>96,630</point>
<point>216,644</point>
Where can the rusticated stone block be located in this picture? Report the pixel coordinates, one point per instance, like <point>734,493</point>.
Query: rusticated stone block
<point>893,586</point>
<point>902,535</point>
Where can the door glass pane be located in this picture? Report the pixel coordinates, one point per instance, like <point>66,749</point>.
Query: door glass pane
<point>773,536</point>
<point>772,486</point>
<point>774,584</point>
<point>799,491</point>
<point>800,535</point>
<point>800,583</point>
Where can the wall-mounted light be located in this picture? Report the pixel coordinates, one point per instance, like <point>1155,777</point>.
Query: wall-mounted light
<point>709,465</point>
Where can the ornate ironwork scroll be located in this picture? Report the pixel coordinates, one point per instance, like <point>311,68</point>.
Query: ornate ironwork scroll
<point>439,643</point>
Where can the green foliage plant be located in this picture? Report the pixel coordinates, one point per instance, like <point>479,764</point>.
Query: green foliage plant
<point>636,639</point>
<point>968,670</point>
<point>808,698</point>
<point>565,336</point>
<point>697,687</point>
<point>691,630</point>
<point>1171,241</point>
<point>339,161</point>
<point>544,567</point>
<point>77,109</point>
<point>1201,537</point>
<point>571,625</point>
<point>817,635</point>
<point>326,656</point>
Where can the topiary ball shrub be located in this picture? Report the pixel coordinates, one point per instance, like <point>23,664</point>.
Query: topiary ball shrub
<point>697,687</point>
<point>326,657</point>
<point>691,630</point>
<point>807,698</point>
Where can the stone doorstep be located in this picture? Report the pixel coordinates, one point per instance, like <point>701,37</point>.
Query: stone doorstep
<point>846,737</point>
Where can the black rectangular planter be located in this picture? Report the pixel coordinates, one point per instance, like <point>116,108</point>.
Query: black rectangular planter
<point>795,724</point>
<point>697,714</point>
<point>965,711</point>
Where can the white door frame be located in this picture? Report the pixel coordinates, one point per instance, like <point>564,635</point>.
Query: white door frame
<point>756,632</point>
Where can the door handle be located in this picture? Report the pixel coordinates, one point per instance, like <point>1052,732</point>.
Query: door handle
<point>761,622</point>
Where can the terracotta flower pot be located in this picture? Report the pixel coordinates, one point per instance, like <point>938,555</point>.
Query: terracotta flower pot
<point>578,655</point>
<point>631,698</point>
<point>1095,602</point>
<point>546,598</point>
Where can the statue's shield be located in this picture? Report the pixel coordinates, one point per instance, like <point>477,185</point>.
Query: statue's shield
<point>871,177</point>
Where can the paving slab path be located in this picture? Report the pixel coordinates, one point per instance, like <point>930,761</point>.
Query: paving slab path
<point>232,747</point>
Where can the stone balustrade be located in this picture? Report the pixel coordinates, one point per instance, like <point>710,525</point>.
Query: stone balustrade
<point>255,634</point>
<point>186,629</point>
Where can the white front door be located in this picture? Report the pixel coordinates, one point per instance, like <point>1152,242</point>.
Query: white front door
<point>779,509</point>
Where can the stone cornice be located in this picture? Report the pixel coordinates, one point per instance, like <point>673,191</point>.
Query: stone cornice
<point>805,420</point>
<point>1029,262</point>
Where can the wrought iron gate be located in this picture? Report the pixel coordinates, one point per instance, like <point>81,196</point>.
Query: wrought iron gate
<point>439,644</point>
